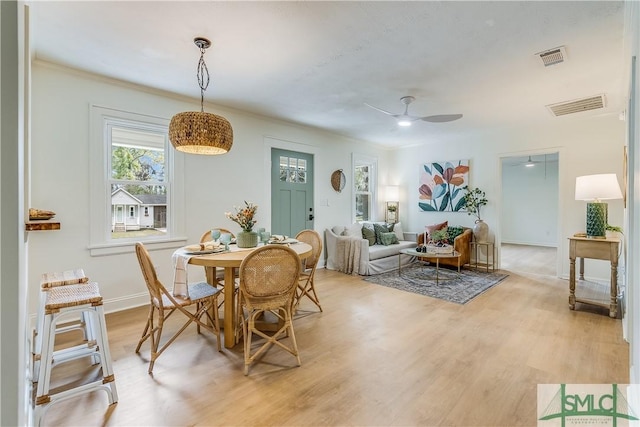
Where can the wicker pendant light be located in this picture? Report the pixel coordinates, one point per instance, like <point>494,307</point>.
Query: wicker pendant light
<point>198,132</point>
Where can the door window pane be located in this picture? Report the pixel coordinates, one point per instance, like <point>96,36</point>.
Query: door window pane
<point>293,170</point>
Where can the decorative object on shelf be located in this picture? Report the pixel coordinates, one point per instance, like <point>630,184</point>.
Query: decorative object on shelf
<point>594,189</point>
<point>197,132</point>
<point>338,180</point>
<point>474,199</point>
<point>393,197</point>
<point>40,215</point>
<point>441,186</point>
<point>245,218</point>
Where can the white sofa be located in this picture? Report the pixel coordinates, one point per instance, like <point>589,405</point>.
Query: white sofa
<point>347,251</point>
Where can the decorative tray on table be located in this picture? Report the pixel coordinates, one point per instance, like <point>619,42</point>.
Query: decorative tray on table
<point>433,249</point>
<point>202,249</point>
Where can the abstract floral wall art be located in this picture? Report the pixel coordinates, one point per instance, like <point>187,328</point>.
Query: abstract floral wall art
<point>440,187</point>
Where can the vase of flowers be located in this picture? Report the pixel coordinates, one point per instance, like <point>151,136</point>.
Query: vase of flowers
<point>245,218</point>
<point>474,199</point>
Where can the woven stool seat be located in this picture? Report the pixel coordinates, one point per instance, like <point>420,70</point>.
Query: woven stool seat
<point>71,296</point>
<point>63,278</point>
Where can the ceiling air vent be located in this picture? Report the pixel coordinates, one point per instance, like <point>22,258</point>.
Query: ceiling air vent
<point>553,56</point>
<point>577,106</point>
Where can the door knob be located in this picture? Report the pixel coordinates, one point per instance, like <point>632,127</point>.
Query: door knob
<point>310,217</point>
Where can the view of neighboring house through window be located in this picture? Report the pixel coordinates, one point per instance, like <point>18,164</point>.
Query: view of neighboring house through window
<point>364,173</point>
<point>138,182</point>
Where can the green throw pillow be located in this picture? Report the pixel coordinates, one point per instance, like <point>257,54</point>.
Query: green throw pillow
<point>454,231</point>
<point>389,238</point>
<point>379,229</point>
<point>369,234</point>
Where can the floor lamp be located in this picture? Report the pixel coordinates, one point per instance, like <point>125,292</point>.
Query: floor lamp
<point>593,189</point>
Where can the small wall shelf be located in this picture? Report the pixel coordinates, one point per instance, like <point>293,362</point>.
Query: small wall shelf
<point>41,225</point>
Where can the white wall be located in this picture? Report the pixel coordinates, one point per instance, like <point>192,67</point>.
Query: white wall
<point>586,146</point>
<point>530,204</point>
<point>213,184</point>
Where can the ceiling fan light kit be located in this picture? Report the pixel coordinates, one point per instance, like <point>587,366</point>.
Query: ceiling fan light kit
<point>406,119</point>
<point>197,132</point>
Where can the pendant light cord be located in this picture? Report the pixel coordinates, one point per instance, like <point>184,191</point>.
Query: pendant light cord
<point>203,77</point>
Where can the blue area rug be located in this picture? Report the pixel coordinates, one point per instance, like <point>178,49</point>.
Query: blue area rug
<point>419,278</point>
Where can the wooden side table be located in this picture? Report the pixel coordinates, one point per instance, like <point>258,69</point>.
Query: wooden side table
<point>605,249</point>
<point>490,260</point>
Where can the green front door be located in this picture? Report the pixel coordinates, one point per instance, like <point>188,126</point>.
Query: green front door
<point>291,192</point>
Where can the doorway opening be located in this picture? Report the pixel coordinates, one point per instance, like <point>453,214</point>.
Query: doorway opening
<point>530,214</point>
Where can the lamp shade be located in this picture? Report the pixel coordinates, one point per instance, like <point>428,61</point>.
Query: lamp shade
<point>197,132</point>
<point>393,193</point>
<point>598,187</point>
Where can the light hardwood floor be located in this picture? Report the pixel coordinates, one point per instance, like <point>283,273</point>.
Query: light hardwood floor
<point>529,259</point>
<point>375,357</point>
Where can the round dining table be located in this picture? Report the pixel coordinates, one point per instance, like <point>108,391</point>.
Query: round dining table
<point>230,261</point>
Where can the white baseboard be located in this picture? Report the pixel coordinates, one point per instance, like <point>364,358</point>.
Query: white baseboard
<point>112,305</point>
<point>124,303</point>
<point>520,242</point>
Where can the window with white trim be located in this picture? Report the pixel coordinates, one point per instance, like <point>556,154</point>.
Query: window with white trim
<point>132,188</point>
<point>364,187</point>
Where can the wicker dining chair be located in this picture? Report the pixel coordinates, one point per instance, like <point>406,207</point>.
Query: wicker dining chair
<point>306,286</point>
<point>163,304</point>
<point>219,279</point>
<point>268,279</point>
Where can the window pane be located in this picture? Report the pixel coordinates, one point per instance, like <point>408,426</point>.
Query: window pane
<point>362,178</point>
<point>146,207</point>
<point>137,164</point>
<point>362,207</point>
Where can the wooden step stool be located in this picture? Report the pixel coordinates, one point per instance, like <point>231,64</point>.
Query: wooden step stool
<point>59,302</point>
<point>83,322</point>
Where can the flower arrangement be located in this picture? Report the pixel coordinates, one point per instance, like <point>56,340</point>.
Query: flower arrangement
<point>244,217</point>
<point>474,199</point>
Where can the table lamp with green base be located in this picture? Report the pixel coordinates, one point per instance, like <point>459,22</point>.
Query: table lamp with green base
<point>594,189</point>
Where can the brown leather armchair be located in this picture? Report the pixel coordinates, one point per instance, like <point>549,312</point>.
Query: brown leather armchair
<point>461,244</point>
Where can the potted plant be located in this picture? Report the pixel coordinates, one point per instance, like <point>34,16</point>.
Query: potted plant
<point>440,237</point>
<point>474,199</point>
<point>245,218</point>
<point>613,231</point>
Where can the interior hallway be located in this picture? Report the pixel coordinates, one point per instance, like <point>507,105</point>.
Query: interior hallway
<point>527,259</point>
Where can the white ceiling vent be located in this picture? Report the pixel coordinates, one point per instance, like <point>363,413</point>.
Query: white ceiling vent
<point>554,56</point>
<point>577,106</point>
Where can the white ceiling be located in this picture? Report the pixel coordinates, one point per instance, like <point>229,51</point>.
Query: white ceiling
<point>317,63</point>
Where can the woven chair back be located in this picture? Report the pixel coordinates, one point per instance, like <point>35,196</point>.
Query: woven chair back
<point>312,238</point>
<point>149,272</point>
<point>269,276</point>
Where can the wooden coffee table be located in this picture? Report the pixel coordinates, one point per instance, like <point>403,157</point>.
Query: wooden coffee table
<point>428,257</point>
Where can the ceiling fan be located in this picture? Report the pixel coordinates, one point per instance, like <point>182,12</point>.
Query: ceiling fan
<point>405,119</point>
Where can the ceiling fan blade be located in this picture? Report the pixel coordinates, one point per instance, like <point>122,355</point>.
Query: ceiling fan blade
<point>442,118</point>
<point>381,110</point>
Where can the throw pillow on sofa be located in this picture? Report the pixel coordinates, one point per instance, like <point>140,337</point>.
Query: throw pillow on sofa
<point>354,230</point>
<point>369,234</point>
<point>454,231</point>
<point>397,229</point>
<point>431,228</point>
<point>389,238</point>
<point>379,229</point>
